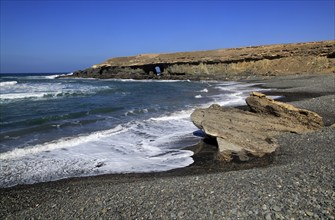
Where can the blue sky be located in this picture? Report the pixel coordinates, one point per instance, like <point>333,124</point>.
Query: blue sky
<point>63,36</point>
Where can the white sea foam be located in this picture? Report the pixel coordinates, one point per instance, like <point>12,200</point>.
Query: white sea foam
<point>147,80</point>
<point>233,93</point>
<point>51,76</point>
<point>21,95</point>
<point>8,83</point>
<point>198,96</point>
<point>62,143</point>
<point>46,90</point>
<point>184,114</point>
<point>130,112</point>
<point>137,146</point>
<point>54,76</point>
<point>57,75</point>
<point>138,111</point>
<point>204,90</point>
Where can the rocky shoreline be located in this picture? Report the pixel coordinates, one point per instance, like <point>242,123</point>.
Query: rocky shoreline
<point>222,64</point>
<point>245,134</point>
<point>295,182</point>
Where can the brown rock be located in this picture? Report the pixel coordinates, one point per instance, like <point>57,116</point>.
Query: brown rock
<point>251,134</point>
<point>259,103</point>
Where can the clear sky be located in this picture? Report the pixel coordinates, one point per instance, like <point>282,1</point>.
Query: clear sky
<point>63,36</point>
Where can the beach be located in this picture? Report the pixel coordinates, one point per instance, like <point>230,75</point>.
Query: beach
<point>296,182</point>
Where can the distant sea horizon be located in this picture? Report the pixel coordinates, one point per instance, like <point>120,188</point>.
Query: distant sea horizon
<point>34,73</point>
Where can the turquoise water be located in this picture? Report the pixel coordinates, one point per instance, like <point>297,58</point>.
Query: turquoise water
<point>54,128</point>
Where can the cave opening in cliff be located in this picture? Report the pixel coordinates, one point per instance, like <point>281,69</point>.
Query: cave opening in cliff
<point>158,70</point>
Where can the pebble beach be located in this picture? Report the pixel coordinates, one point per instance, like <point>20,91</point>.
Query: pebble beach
<point>296,182</point>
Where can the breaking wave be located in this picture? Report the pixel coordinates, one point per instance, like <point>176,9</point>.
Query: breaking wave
<point>140,146</point>
<point>44,91</point>
<point>8,83</point>
<point>131,127</point>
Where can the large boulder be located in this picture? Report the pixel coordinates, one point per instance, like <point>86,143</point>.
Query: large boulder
<point>245,134</point>
<point>259,103</point>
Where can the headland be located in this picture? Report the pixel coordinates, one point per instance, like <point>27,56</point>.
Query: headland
<point>222,64</point>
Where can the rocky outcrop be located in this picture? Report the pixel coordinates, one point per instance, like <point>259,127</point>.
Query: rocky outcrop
<point>313,57</point>
<point>247,134</point>
<point>259,103</point>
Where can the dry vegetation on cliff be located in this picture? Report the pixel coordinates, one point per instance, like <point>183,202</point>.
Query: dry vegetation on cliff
<point>312,57</point>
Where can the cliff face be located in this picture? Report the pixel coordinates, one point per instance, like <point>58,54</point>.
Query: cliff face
<point>279,59</point>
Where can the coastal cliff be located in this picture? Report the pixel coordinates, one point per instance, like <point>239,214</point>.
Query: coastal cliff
<point>268,60</point>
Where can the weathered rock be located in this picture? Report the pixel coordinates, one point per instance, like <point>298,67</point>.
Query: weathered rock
<point>247,134</point>
<point>259,103</point>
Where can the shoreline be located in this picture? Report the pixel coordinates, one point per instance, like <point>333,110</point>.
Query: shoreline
<point>316,93</point>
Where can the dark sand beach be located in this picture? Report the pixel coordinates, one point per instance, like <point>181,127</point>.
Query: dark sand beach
<point>296,182</point>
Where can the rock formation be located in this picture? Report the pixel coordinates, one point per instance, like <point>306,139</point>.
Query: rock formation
<point>247,134</point>
<point>312,57</point>
<point>259,103</point>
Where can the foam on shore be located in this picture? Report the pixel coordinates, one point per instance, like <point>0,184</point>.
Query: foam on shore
<point>142,144</point>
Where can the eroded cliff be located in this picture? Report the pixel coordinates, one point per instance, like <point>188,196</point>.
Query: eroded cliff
<point>279,59</point>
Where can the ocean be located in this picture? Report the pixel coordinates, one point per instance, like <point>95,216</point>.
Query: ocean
<point>54,128</point>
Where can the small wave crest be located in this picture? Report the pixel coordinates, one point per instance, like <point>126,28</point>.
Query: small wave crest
<point>138,146</point>
<point>62,143</point>
<point>232,93</point>
<point>148,80</point>
<point>52,76</point>
<point>8,83</point>
<point>39,95</point>
<point>47,91</point>
<point>140,111</point>
<point>175,116</point>
<point>146,143</point>
<point>21,96</point>
<point>57,75</point>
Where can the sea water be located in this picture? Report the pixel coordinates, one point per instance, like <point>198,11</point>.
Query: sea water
<point>54,128</point>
